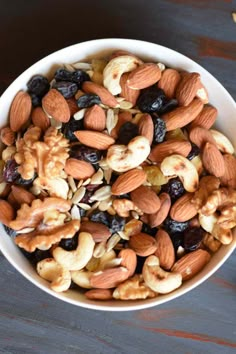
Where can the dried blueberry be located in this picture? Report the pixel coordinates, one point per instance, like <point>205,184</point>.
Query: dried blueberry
<point>38,85</point>
<point>177,239</point>
<point>37,255</point>
<point>149,230</point>
<point>159,129</point>
<point>127,132</point>
<point>116,224</point>
<point>100,216</point>
<point>195,151</point>
<point>151,100</point>
<point>82,152</point>
<point>174,188</point>
<point>69,244</point>
<point>10,171</point>
<point>63,75</point>
<point>36,100</point>
<point>80,76</point>
<point>88,100</point>
<point>9,231</point>
<point>193,238</point>
<point>69,128</point>
<point>168,106</point>
<point>172,226</point>
<point>66,88</point>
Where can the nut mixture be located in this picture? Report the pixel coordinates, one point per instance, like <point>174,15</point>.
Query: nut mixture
<point>113,180</point>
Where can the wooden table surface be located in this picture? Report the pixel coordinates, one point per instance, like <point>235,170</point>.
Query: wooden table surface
<point>202,321</point>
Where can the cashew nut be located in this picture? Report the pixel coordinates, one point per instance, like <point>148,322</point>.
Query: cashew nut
<point>115,68</point>
<point>77,259</point>
<point>81,278</point>
<point>222,142</point>
<point>177,165</point>
<point>159,280</point>
<point>122,158</point>
<point>59,277</point>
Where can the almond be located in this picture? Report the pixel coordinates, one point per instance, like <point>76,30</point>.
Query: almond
<point>128,93</point>
<point>99,294</point>
<point>128,181</point>
<point>40,119</point>
<point>200,136</point>
<point>182,116</point>
<point>228,179</point>
<point>20,111</point>
<point>146,127</point>
<point>99,231</point>
<point>7,136</point>
<point>79,169</point>
<point>21,195</point>
<point>143,76</point>
<point>187,88</point>
<point>129,260</point>
<point>95,118</point>
<point>56,106</point>
<point>213,160</point>
<point>123,117</point>
<point>7,213</point>
<point>145,199</point>
<point>206,118</point>
<point>169,80</point>
<point>183,209</point>
<point>165,250</point>
<point>94,139</point>
<point>192,263</point>
<point>157,218</point>
<point>109,278</point>
<point>169,147</point>
<point>106,97</point>
<point>73,107</point>
<point>143,244</point>
<point>5,189</point>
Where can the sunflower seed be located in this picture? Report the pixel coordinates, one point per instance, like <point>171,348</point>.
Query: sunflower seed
<point>84,206</point>
<point>78,195</point>
<point>55,123</point>
<point>69,67</point>
<point>72,184</point>
<point>82,66</point>
<point>97,177</point>
<point>25,230</point>
<point>70,194</point>
<point>99,249</point>
<point>80,114</point>
<point>107,175</point>
<point>101,194</point>
<point>103,164</point>
<point>126,105</point>
<point>111,120</point>
<point>123,235</point>
<point>112,242</point>
<point>86,182</point>
<point>75,213</point>
<point>161,66</point>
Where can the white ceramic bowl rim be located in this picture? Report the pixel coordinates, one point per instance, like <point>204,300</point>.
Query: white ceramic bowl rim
<point>219,97</point>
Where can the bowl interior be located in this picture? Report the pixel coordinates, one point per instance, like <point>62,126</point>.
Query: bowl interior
<point>226,122</point>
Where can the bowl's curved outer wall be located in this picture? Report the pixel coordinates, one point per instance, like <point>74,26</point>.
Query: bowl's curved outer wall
<point>226,122</point>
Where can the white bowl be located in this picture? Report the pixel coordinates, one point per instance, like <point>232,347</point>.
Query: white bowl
<point>226,122</point>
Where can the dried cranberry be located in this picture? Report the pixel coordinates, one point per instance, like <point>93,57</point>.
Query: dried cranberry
<point>127,132</point>
<point>174,188</point>
<point>66,88</point>
<point>193,238</point>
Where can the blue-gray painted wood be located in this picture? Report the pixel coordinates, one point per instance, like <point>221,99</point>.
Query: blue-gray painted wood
<point>202,321</point>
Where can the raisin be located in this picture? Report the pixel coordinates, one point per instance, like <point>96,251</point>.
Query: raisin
<point>80,76</point>
<point>174,188</point>
<point>82,152</point>
<point>168,106</point>
<point>69,128</point>
<point>9,231</point>
<point>88,100</point>
<point>37,255</point>
<point>116,224</point>
<point>140,263</point>
<point>127,132</point>
<point>177,239</point>
<point>10,171</point>
<point>159,129</point>
<point>86,197</point>
<point>63,75</point>
<point>66,88</point>
<point>69,244</point>
<point>151,100</point>
<point>36,100</point>
<point>38,85</point>
<point>195,151</point>
<point>100,216</point>
<point>193,238</point>
<point>173,226</point>
<point>149,230</point>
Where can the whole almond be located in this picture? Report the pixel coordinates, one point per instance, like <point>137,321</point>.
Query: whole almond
<point>213,160</point>
<point>182,116</point>
<point>145,199</point>
<point>99,294</point>
<point>200,136</point>
<point>168,82</point>
<point>228,179</point>
<point>7,213</point>
<point>187,88</point>
<point>20,110</point>
<point>99,231</point>
<point>94,139</point>
<point>146,127</point>
<point>95,118</point>
<point>79,169</point>
<point>128,181</point>
<point>165,250</point>
<point>183,209</point>
<point>40,119</point>
<point>123,117</point>
<point>128,93</point>
<point>143,76</point>
<point>128,260</point>
<point>22,195</point>
<point>56,106</point>
<point>7,136</point>
<point>169,147</point>
<point>143,244</point>
<point>206,118</point>
<point>157,218</point>
<point>191,263</point>
<point>106,97</point>
<point>109,278</point>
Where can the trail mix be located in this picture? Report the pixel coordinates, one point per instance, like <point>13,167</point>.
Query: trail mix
<point>113,180</point>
